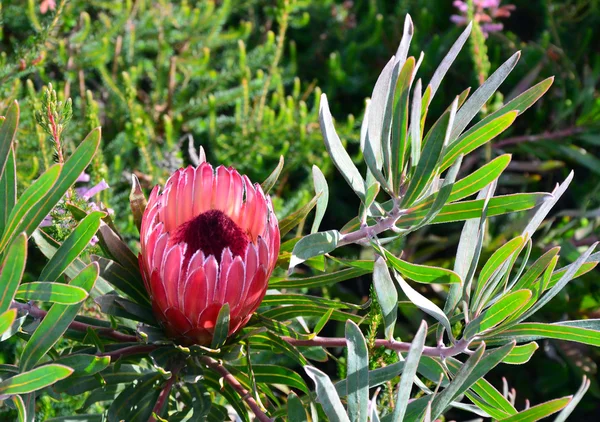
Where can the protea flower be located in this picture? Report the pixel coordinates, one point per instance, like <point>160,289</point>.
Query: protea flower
<point>210,237</point>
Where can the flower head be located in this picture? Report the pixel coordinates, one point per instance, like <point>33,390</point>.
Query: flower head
<point>485,11</point>
<point>210,237</point>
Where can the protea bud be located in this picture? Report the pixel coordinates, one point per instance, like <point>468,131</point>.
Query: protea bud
<point>210,237</point>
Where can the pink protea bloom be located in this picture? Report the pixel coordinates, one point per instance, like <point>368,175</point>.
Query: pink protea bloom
<point>210,237</point>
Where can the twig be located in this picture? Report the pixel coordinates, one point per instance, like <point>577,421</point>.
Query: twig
<point>443,352</point>
<point>368,232</point>
<point>36,312</point>
<point>540,137</point>
<point>137,349</point>
<point>235,384</point>
<point>164,394</point>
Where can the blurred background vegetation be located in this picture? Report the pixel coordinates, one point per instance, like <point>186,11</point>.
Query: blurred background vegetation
<point>242,79</point>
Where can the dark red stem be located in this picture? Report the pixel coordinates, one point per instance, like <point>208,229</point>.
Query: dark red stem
<point>540,137</point>
<point>164,394</point>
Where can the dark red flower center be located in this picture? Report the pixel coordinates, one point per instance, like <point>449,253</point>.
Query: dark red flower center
<point>211,232</point>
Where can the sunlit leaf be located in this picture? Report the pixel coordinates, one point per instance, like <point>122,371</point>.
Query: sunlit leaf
<point>11,271</point>
<point>540,411</point>
<point>64,294</point>
<point>35,379</point>
<point>327,395</point>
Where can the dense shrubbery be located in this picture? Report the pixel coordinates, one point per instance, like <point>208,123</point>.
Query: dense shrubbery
<point>239,84</point>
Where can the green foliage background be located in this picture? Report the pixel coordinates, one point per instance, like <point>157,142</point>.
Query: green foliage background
<point>243,79</point>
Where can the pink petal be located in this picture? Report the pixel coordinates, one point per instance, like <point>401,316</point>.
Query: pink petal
<point>221,287</point>
<point>195,294</point>
<point>223,189</point>
<point>159,296</point>
<point>211,269</point>
<point>236,197</point>
<point>235,283</point>
<point>178,320</point>
<point>187,197</point>
<point>170,274</point>
<point>208,318</point>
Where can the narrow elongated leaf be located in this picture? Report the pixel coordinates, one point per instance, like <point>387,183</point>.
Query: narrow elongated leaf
<point>387,295</point>
<point>529,331</point>
<point>56,322</point>
<point>442,400</point>
<point>467,210</point>
<point>285,313</point>
<point>11,271</point>
<point>537,268</point>
<point>408,374</point>
<point>136,401</point>
<point>318,280</point>
<point>275,374</point>
<point>27,205</point>
<point>521,354</point>
<point>421,273</point>
<point>64,294</point>
<point>336,150</point>
<point>293,219</point>
<point>399,146</point>
<point>322,192</point>
<point>585,268</point>
<point>497,313</point>
<point>482,95</point>
<point>567,276</point>
<point>304,299</point>
<point>434,143</point>
<point>137,201</point>
<point>473,140</point>
<point>540,411</point>
<point>8,130</point>
<point>447,61</point>
<point>7,319</point>
<point>357,380</point>
<point>295,409</point>
<point>71,170</point>
<point>122,279</point>
<point>21,408</point>
<point>423,303</point>
<point>8,190</point>
<point>270,181</point>
<point>480,178</point>
<point>415,125</point>
<point>72,247</point>
<point>407,35</point>
<point>377,111</point>
<point>221,327</point>
<point>34,380</point>
<point>520,103</point>
<point>327,396</point>
<point>83,364</point>
<point>567,410</point>
<point>118,249</point>
<point>315,244</point>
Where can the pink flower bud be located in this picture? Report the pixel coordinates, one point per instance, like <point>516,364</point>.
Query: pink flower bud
<point>210,237</point>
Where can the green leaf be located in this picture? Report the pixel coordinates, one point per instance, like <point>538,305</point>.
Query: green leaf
<point>447,61</point>
<point>473,140</point>
<point>56,322</point>
<point>520,103</point>
<point>323,321</point>
<point>71,170</point>
<point>497,402</point>
<point>467,210</point>
<point>318,280</point>
<point>34,380</point>
<point>530,331</point>
<point>336,150</point>
<point>285,313</point>
<point>8,131</point>
<point>8,190</point>
<point>521,354</point>
<point>122,279</point>
<point>423,303</point>
<point>322,193</point>
<point>20,406</point>
<point>409,372</point>
<point>536,269</point>
<point>421,273</point>
<point>295,409</point>
<point>137,201</point>
<point>315,244</point>
<point>442,400</point>
<point>540,411</point>
<point>271,342</point>
<point>72,247</point>
<point>275,374</point>
<point>387,295</point>
<point>136,401</point>
<point>399,146</point>
<point>415,128</point>
<point>83,364</point>
<point>270,181</point>
<point>7,319</point>
<point>327,396</point>
<point>118,306</point>
<point>292,220</point>
<point>480,178</point>
<point>566,412</point>
<point>497,313</point>
<point>221,327</point>
<point>492,268</point>
<point>78,418</point>
<point>113,245</point>
<point>303,299</point>
<point>27,205</point>
<point>481,96</point>
<point>64,294</point>
<point>11,271</point>
<point>558,274</point>
<point>426,168</point>
<point>357,379</point>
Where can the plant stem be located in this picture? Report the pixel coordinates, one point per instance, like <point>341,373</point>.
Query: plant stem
<point>137,349</point>
<point>36,312</point>
<point>440,351</point>
<point>540,137</point>
<point>164,394</point>
<point>367,232</point>
<point>235,384</point>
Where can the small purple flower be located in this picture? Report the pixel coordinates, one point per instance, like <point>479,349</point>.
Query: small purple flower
<point>485,13</point>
